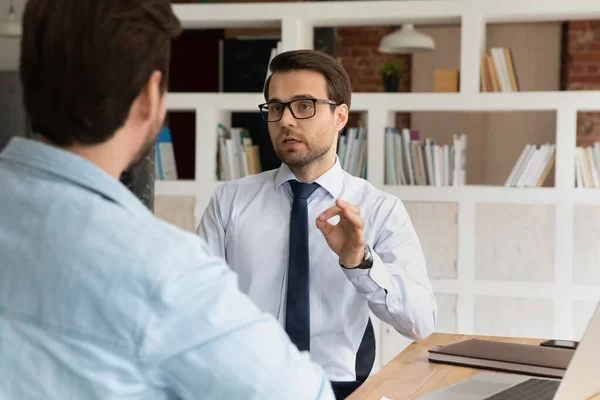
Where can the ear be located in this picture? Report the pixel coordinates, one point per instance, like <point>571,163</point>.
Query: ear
<point>150,96</point>
<point>341,118</point>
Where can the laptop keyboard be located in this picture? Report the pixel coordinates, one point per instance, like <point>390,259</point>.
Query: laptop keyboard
<point>531,389</point>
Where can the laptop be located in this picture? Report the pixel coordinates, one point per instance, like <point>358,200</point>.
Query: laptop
<point>580,381</point>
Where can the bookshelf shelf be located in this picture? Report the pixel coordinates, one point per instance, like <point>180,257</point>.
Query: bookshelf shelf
<point>497,101</point>
<point>589,196</point>
<point>474,194</point>
<point>495,194</point>
<point>175,188</point>
<point>470,193</point>
<point>530,232</point>
<point>219,101</point>
<point>520,289</point>
<point>184,188</point>
<point>342,13</point>
<point>349,13</point>
<point>521,101</point>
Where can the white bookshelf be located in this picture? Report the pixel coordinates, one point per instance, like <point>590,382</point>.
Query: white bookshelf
<point>297,21</point>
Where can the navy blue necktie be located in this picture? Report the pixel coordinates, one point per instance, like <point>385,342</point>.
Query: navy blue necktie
<point>297,321</point>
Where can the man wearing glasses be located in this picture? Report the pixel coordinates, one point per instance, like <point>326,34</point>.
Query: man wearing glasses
<point>313,245</point>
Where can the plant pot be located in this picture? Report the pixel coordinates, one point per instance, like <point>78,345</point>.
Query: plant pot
<point>390,83</point>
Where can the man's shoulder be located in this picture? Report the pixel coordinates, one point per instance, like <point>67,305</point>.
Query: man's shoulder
<point>367,191</point>
<point>150,246</point>
<point>246,186</point>
<point>165,245</point>
<point>378,207</point>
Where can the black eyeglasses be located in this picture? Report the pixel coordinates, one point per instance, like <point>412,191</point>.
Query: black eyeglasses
<point>300,108</point>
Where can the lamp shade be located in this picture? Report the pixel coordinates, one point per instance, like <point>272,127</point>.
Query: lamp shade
<point>406,40</point>
<point>10,27</point>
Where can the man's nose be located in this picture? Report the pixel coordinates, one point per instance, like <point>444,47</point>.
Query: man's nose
<point>287,118</point>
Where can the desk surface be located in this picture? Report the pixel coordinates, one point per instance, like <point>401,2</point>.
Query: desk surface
<point>410,374</point>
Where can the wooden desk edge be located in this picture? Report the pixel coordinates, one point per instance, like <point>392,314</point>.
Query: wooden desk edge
<point>410,374</point>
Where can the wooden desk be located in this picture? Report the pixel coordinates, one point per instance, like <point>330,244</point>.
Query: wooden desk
<point>410,374</point>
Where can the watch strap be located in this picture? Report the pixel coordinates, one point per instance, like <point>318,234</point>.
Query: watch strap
<point>367,262</point>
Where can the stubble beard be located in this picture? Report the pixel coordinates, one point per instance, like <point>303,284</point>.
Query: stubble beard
<point>301,158</point>
<point>148,146</point>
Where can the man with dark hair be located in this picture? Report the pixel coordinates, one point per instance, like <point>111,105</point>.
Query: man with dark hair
<point>313,245</point>
<point>99,299</point>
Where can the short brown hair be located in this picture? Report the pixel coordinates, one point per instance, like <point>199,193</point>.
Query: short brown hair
<point>338,81</point>
<point>83,62</point>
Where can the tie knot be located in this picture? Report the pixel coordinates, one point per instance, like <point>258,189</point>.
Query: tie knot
<point>303,190</point>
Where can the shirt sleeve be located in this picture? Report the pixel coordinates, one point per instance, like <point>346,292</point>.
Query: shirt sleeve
<point>397,286</point>
<point>212,227</point>
<point>204,339</point>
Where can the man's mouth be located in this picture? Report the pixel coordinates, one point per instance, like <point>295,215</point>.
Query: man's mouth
<point>291,141</point>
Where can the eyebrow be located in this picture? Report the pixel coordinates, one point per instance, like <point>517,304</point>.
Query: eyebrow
<point>296,97</point>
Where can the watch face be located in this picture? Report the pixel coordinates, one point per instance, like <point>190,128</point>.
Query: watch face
<point>368,259</point>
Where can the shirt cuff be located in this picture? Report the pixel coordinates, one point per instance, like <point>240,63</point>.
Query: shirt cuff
<point>372,279</point>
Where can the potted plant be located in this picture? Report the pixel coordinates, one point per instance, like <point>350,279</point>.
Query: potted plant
<point>391,71</point>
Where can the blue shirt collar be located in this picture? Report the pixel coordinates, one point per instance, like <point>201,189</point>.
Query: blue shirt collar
<point>73,168</point>
<point>332,180</point>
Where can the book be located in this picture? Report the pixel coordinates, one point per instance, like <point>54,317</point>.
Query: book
<point>498,72</point>
<point>587,166</point>
<point>165,168</point>
<point>236,155</point>
<point>507,357</point>
<point>533,166</point>
<point>352,151</point>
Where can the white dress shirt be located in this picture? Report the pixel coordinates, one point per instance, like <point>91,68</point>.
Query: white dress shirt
<point>247,222</point>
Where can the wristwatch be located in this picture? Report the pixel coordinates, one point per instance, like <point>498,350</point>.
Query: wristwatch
<point>367,261</point>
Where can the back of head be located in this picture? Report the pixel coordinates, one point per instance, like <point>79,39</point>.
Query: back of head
<point>338,81</point>
<point>83,62</point>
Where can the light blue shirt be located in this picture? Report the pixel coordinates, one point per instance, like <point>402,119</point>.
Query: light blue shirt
<point>248,221</point>
<point>100,300</point>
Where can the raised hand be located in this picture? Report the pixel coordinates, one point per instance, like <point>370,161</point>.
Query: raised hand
<point>346,238</point>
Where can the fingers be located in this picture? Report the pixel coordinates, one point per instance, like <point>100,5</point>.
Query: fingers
<point>330,212</point>
<point>338,209</point>
<point>354,218</point>
<point>344,204</point>
<point>325,227</point>
<point>351,213</point>
<point>350,222</point>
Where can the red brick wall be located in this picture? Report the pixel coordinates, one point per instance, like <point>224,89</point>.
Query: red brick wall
<point>583,73</point>
<point>357,49</point>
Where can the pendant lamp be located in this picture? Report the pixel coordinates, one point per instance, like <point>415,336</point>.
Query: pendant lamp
<point>10,27</point>
<point>406,40</point>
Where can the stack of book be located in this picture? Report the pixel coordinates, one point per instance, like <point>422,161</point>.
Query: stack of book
<point>352,151</point>
<point>498,72</point>
<point>237,156</point>
<point>412,161</point>
<point>587,166</point>
<point>533,166</point>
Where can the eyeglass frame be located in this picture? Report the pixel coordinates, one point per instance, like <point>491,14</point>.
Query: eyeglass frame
<point>286,104</point>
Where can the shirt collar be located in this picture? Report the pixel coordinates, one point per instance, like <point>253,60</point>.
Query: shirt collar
<point>71,167</point>
<point>332,180</point>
